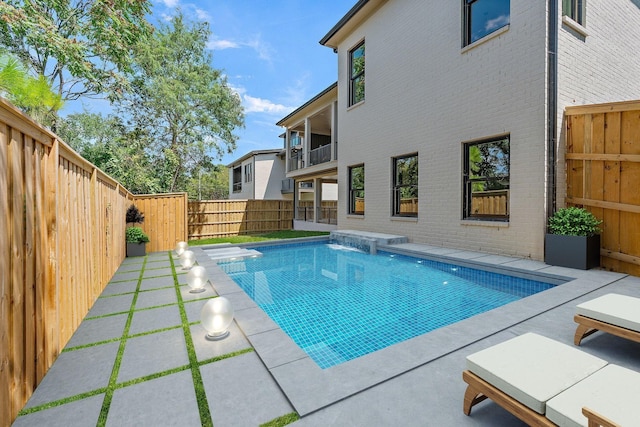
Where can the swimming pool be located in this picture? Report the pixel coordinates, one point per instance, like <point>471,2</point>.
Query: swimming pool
<point>338,303</point>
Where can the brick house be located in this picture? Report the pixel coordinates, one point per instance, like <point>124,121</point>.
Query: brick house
<point>456,136</point>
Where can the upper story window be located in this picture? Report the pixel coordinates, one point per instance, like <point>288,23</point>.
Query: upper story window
<point>405,185</point>
<point>483,17</point>
<point>356,74</point>
<point>486,179</point>
<point>237,179</point>
<point>356,190</point>
<point>575,9</point>
<point>248,176</point>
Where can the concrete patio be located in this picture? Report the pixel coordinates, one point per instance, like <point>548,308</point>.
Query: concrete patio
<point>140,356</point>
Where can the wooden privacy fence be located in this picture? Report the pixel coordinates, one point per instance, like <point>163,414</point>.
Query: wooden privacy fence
<point>62,237</point>
<point>603,175</point>
<point>165,219</point>
<point>219,218</point>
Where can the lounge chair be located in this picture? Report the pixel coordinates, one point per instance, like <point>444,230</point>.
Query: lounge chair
<point>616,314</point>
<point>547,383</point>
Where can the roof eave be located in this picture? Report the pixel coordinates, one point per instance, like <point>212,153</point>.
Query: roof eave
<point>358,13</point>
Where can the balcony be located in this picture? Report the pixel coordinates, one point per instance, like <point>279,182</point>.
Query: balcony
<point>320,155</point>
<point>296,162</point>
<point>288,186</point>
<point>237,187</point>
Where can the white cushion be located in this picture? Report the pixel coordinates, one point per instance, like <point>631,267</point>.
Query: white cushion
<point>619,310</point>
<point>532,369</point>
<point>613,392</point>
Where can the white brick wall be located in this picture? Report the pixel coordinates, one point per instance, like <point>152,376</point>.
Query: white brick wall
<point>426,94</point>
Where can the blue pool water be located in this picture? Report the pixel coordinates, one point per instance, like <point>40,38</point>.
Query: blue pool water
<point>338,303</point>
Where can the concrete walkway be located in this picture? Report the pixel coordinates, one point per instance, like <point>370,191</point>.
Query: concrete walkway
<point>140,357</point>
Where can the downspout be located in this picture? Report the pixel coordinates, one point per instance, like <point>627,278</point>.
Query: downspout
<point>552,105</point>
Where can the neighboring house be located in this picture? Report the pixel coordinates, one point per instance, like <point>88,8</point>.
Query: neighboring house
<point>260,175</point>
<point>311,145</point>
<point>456,136</point>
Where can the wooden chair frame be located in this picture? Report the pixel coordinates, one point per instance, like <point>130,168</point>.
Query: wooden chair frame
<point>588,325</point>
<point>479,390</point>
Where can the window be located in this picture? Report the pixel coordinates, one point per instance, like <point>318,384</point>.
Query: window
<point>574,9</point>
<point>356,190</point>
<point>247,173</point>
<point>356,74</point>
<point>237,179</point>
<point>483,17</point>
<point>405,185</point>
<point>486,179</point>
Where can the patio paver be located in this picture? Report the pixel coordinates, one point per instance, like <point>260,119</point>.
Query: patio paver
<point>415,383</point>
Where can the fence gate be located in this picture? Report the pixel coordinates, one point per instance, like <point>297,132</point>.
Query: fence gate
<point>603,175</point>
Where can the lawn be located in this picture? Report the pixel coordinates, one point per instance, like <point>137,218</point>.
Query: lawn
<point>277,235</point>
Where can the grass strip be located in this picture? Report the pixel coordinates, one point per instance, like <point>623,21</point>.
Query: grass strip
<point>93,344</point>
<point>226,356</point>
<point>60,402</point>
<point>282,421</point>
<point>201,396</point>
<point>276,235</point>
<point>152,376</point>
<point>111,388</point>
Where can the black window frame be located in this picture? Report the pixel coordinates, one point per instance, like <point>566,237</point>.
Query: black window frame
<point>467,13</point>
<point>576,10</point>
<point>248,172</point>
<point>398,187</point>
<point>237,179</point>
<point>355,191</point>
<point>354,78</point>
<point>497,180</point>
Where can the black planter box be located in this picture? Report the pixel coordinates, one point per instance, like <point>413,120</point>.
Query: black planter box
<point>572,251</point>
<point>136,249</point>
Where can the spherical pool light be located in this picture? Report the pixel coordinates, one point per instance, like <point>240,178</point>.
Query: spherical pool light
<point>181,247</point>
<point>197,278</point>
<point>216,317</point>
<point>187,260</point>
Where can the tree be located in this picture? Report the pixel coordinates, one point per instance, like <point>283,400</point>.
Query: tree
<point>182,104</point>
<point>121,153</point>
<point>212,184</point>
<point>81,47</point>
<point>31,94</point>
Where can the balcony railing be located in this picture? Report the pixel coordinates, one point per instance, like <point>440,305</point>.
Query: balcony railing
<point>287,185</point>
<point>296,162</point>
<point>237,187</point>
<point>320,155</point>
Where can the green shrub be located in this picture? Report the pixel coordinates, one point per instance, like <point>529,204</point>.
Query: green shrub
<point>136,235</point>
<point>574,221</point>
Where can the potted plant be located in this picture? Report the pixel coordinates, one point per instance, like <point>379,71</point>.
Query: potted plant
<point>573,239</point>
<point>136,238</point>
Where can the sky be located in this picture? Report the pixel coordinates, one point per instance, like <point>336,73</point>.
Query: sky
<point>269,51</point>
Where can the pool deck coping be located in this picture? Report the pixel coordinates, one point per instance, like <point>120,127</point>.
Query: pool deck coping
<point>310,388</point>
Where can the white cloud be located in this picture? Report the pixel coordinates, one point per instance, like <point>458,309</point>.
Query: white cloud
<point>203,15</point>
<point>496,23</point>
<point>170,3</point>
<point>259,105</point>
<point>217,44</point>
<point>262,48</point>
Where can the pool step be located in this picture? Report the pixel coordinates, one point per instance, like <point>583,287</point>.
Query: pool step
<point>231,253</point>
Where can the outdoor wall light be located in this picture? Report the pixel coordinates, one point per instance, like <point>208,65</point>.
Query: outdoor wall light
<point>181,247</point>
<point>216,317</point>
<point>197,278</point>
<point>187,260</point>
